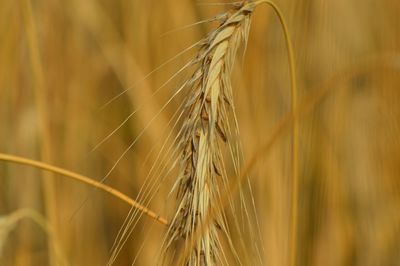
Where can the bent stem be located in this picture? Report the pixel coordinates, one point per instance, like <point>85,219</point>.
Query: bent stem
<point>83,179</point>
<point>295,134</point>
<point>10,221</point>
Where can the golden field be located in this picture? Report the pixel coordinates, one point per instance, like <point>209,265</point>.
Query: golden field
<point>83,87</point>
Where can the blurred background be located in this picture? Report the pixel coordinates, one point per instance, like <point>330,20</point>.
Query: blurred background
<point>61,62</point>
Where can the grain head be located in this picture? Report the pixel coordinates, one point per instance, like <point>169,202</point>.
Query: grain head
<point>203,135</point>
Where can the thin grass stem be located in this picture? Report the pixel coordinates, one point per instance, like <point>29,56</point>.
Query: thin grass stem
<point>83,179</point>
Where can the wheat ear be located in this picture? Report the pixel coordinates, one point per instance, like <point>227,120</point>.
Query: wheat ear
<point>203,135</point>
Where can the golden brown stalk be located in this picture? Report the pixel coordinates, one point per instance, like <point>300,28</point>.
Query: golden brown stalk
<point>204,133</point>
<point>83,179</point>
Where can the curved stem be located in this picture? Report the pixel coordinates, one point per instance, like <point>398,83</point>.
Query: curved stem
<point>83,179</point>
<point>10,221</point>
<point>295,134</point>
